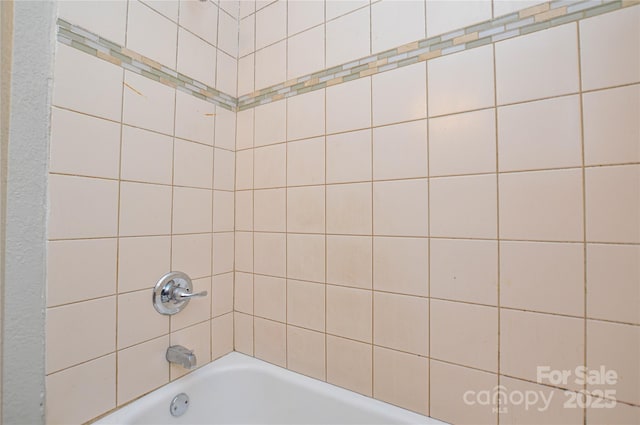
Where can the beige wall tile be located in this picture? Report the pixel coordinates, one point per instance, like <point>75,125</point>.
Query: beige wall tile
<point>168,8</point>
<point>537,65</point>
<point>443,17</point>
<point>193,164</point>
<point>270,208</point>
<point>305,162</point>
<point>270,253</point>
<point>306,257</point>
<point>605,62</point>
<point>245,127</point>
<point>82,207</point>
<point>199,308</point>
<point>222,294</point>
<point>142,368</point>
<point>401,322</point>
<point>145,209</point>
<point>401,379</point>
<point>191,254</point>
<point>621,414</point>
<point>228,29</point>
<point>531,340</point>
<point>349,157</point>
<point>305,52</point>
<point>198,339</point>
<point>200,19</point>
<point>225,129</point>
<point>223,260</point>
<point>271,65</point>
<point>348,104</point>
<point>221,336</point>
<point>400,151</point>
<point>305,115</point>
<point>223,211</point>
<point>349,312</point>
<point>192,210</point>
<point>349,364</point>
<point>613,204</point>
<point>246,76</point>
<point>547,277</point>
<point>195,118</point>
<point>400,208</point>
<point>247,35</point>
<point>611,130</point>
<point>226,73</point>
<point>463,207</point>
<point>339,8</point>
<point>401,265</point>
<point>396,23</point>
<point>143,21</point>
<point>137,320</point>
<point>306,304</point>
<point>503,7</point>
<point>613,273</point>
<point>142,261</point>
<point>81,393</point>
<point>349,208</point>
<point>270,341</point>
<point>93,275</point>
<point>270,166</point>
<point>244,251</point>
<point>303,15</point>
<point>551,140</point>
<point>137,147</point>
<point>243,333</point>
<point>243,292</point>
<point>270,297</point>
<point>80,332</point>
<point>473,133</point>
<point>243,210</point>
<point>348,37</point>
<point>83,145</point>
<point>271,24</point>
<point>306,352</point>
<point>465,334</point>
<point>543,205</point>
<point>108,19</point>
<point>148,104</point>
<point>401,94</point>
<point>270,123</point>
<point>464,270</point>
<point>306,209</point>
<point>349,261</point>
<point>224,163</point>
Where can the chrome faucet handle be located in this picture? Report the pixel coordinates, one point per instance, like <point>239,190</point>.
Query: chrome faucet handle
<point>173,292</point>
<point>180,294</point>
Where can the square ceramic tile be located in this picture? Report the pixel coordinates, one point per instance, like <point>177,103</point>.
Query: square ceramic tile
<point>137,320</point>
<point>305,162</point>
<point>84,145</point>
<point>305,52</point>
<point>306,209</point>
<point>246,76</point>
<point>244,170</point>
<point>349,364</point>
<point>142,262</point>
<point>227,73</point>
<point>400,208</point>
<point>224,163</point>
<point>243,251</point>
<point>306,304</point>
<point>349,157</point>
<point>198,311</point>
<point>270,123</point>
<point>168,8</point>
<point>245,129</point>
<point>338,8</point>
<point>305,115</point>
<point>270,166</point>
<point>504,7</point>
<point>270,254</point>
<point>537,65</point>
<point>201,19</point>
<point>473,133</point>
<point>244,210</point>
<point>401,322</point>
<point>552,140</point>
<point>349,106</point>
<point>247,36</point>
<point>195,119</point>
<point>349,260</point>
<point>148,104</point>
<point>270,297</point>
<point>270,208</point>
<point>613,204</point>
<point>271,24</point>
<point>223,248</point>
<point>243,333</point>
<point>81,78</point>
<point>243,293</point>
<point>349,313</point>
<point>539,276</point>
<point>232,7</point>
<point>396,22</point>
<point>221,336</point>
<point>142,368</point>
<point>193,164</point>
<point>401,94</point>
<point>137,147</point>
<point>401,379</point>
<point>304,15</point>
<point>611,129</point>
<point>228,33</point>
<point>94,332</point>
<point>223,211</point>
<point>348,37</point>
<point>463,207</point>
<point>401,265</point>
<point>605,342</point>
<point>191,254</point>
<point>196,58</point>
<point>81,207</point>
<point>94,260</point>
<point>349,209</point>
<point>400,151</point>
<point>222,294</point>
<point>609,55</point>
<point>225,129</point>
<point>198,339</point>
<point>109,19</point>
<point>461,82</point>
<point>443,16</point>
<point>532,340</point>
<point>142,21</point>
<point>464,334</point>
<point>613,273</point>
<point>270,341</point>
<point>621,414</point>
<point>247,7</point>
<point>306,352</point>
<point>464,270</point>
<point>83,392</point>
<point>543,205</point>
<point>271,65</point>
<point>306,257</point>
<point>192,210</point>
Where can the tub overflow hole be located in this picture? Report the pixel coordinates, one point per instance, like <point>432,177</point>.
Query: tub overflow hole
<point>179,405</point>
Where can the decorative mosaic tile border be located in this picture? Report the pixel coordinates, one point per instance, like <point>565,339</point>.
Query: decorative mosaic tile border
<point>536,18</point>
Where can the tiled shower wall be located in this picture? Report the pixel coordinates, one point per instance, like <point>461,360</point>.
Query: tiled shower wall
<point>447,226</point>
<point>141,183</point>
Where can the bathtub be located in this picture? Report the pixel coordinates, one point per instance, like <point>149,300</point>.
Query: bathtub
<point>238,389</point>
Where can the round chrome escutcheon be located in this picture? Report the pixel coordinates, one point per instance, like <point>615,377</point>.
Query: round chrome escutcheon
<point>179,405</point>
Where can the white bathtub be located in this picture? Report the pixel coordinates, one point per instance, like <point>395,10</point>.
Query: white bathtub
<point>238,389</point>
